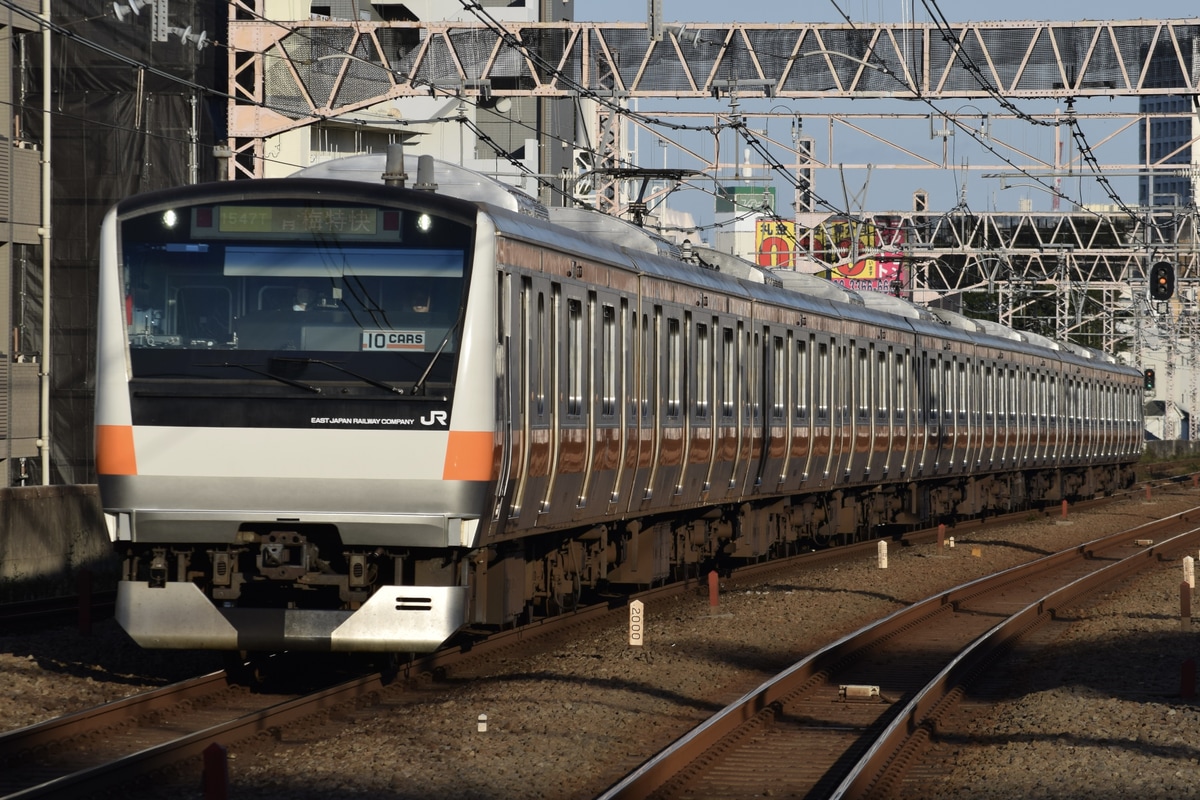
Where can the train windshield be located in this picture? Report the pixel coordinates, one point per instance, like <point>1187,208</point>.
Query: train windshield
<point>346,289</point>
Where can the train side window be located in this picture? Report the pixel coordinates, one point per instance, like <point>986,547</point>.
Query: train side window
<point>901,382</point>
<point>946,408</point>
<point>729,372</point>
<point>989,394</point>
<point>703,371</point>
<point>803,380</point>
<point>608,361</point>
<point>674,375</point>
<point>883,386</point>
<point>577,349</point>
<point>821,378</point>
<point>537,332</point>
<point>862,383</point>
<point>779,379</point>
<point>964,387</point>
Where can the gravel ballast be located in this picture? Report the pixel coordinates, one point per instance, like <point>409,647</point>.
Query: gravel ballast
<point>1096,713</point>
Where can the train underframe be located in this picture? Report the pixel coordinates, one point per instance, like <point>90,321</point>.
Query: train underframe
<point>507,582</point>
<point>526,578</point>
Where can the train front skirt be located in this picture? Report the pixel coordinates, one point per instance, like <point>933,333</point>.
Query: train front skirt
<point>406,619</point>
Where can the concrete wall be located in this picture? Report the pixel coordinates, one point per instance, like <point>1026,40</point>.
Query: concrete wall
<point>47,535</point>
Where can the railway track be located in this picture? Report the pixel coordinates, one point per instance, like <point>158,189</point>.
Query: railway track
<point>112,746</point>
<point>862,708</point>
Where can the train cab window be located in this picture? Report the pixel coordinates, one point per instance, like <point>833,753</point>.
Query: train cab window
<point>298,290</point>
<point>703,371</point>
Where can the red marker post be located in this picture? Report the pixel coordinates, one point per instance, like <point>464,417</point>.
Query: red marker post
<point>713,586</point>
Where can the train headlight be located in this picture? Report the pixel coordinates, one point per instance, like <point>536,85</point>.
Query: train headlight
<point>424,223</point>
<point>170,219</point>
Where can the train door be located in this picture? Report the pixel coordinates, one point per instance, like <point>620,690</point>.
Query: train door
<point>941,423</point>
<point>670,442</point>
<point>624,386</point>
<point>533,456</point>
<point>923,372</point>
<point>823,414</point>
<point>799,404</point>
<point>957,378</point>
<point>603,405</point>
<point>883,390</point>
<point>700,423</point>
<point>903,444</point>
<point>968,411</point>
<point>571,355</point>
<point>775,377</point>
<point>987,432</point>
<point>860,402</point>
<point>750,451</point>
<point>511,377</point>
<point>843,417</point>
<point>725,410</point>
<point>641,432</point>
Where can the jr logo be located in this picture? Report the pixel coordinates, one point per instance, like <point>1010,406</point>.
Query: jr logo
<point>434,418</point>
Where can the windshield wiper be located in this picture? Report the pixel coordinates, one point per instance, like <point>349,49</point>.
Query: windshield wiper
<point>420,384</point>
<point>340,368</point>
<point>265,374</point>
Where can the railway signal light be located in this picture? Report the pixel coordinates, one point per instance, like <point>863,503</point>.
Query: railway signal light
<point>1148,378</point>
<point>1162,280</point>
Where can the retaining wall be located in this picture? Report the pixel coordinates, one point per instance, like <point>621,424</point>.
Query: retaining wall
<point>47,535</point>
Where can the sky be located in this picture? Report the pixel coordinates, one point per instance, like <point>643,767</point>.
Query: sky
<point>855,190</point>
<point>880,10</point>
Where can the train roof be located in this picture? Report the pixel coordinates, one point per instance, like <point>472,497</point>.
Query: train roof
<point>447,179</point>
<point>620,241</point>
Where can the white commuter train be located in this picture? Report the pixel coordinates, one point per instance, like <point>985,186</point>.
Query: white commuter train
<point>337,414</point>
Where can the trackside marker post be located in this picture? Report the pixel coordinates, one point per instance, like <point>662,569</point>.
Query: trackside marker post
<point>1185,606</point>
<point>1064,507</point>
<point>637,623</point>
<point>216,772</point>
<point>882,549</point>
<point>941,536</point>
<point>1189,571</point>
<point>714,583</point>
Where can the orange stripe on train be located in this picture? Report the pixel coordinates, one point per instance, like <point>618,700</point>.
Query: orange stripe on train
<point>114,450</point>
<point>470,456</point>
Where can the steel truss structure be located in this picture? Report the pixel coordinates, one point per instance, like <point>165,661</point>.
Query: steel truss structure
<point>1071,275</point>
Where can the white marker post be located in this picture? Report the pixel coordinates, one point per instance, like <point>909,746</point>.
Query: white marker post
<point>637,628</point>
<point>882,547</point>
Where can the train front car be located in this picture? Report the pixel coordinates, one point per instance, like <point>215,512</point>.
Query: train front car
<point>281,456</point>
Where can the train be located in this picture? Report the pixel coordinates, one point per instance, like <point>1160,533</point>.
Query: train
<point>346,411</point>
